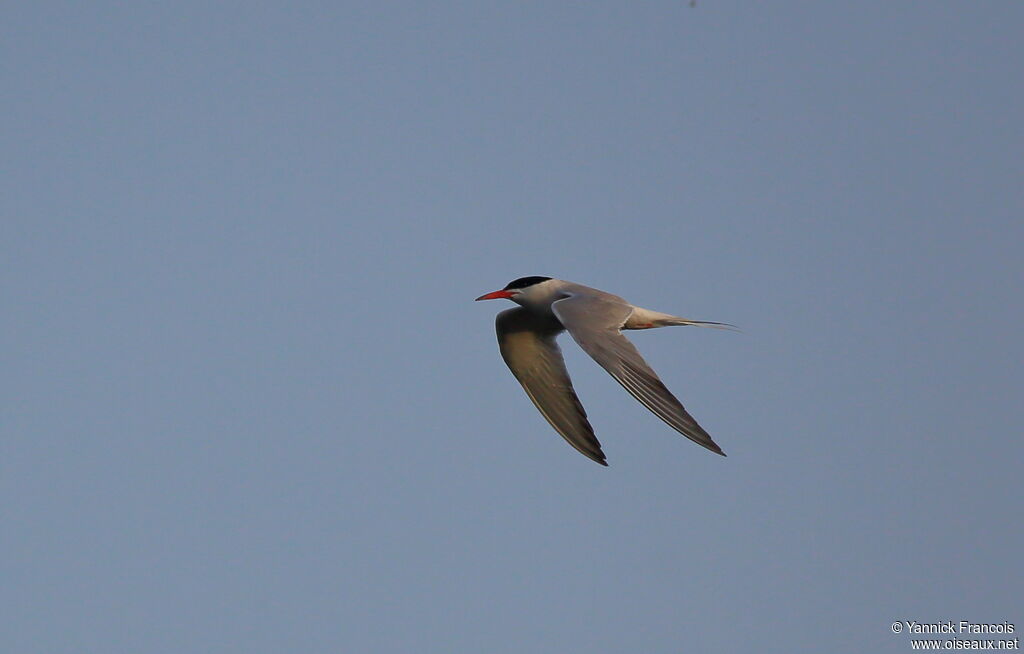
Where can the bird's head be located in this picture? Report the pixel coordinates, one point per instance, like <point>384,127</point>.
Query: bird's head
<point>518,290</point>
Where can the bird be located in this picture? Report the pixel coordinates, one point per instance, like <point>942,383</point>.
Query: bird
<point>595,320</point>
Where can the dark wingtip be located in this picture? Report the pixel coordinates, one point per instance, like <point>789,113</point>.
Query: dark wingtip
<point>713,447</point>
<point>597,457</point>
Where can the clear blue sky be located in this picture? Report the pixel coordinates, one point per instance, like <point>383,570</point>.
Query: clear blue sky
<point>248,404</point>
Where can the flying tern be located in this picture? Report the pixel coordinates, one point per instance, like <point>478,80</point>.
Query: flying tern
<point>595,320</point>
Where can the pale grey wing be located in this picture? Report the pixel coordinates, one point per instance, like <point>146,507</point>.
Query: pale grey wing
<point>527,344</point>
<point>594,323</point>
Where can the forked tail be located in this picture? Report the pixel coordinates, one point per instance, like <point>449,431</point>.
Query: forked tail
<point>675,320</point>
<point>646,319</point>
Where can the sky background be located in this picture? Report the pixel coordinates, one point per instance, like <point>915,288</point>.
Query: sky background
<point>248,403</point>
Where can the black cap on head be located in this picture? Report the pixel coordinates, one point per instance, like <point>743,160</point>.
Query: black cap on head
<point>523,282</point>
